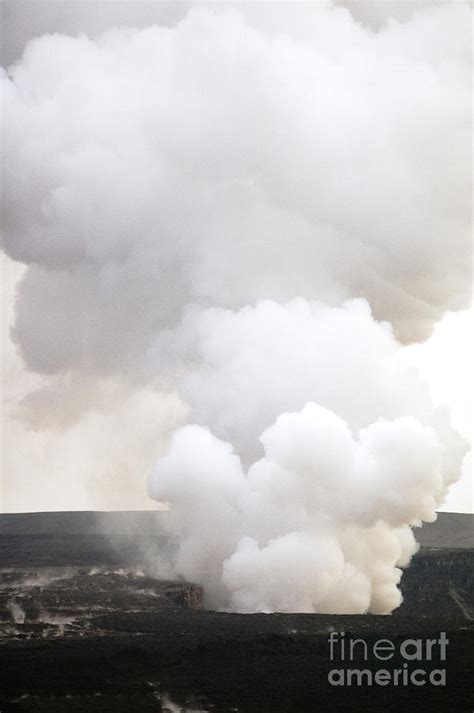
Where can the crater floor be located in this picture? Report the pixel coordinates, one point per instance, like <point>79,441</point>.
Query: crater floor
<point>83,627</point>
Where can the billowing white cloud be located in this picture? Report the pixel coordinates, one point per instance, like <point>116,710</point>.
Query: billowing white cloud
<point>320,523</point>
<point>306,515</point>
<point>217,163</point>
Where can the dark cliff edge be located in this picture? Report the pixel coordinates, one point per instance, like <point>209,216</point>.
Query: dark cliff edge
<point>83,627</point>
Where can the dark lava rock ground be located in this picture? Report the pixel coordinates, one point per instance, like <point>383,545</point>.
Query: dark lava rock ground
<point>83,627</point>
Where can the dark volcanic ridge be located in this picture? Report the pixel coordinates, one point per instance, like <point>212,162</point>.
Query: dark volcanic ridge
<point>84,627</point>
<point>450,530</point>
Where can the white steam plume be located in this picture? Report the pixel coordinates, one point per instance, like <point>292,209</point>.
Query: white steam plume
<point>321,521</point>
<point>222,163</point>
<point>200,209</point>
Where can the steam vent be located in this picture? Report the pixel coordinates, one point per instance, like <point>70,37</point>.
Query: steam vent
<point>86,625</point>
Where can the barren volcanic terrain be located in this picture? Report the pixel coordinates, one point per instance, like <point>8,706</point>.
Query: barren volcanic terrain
<point>84,627</point>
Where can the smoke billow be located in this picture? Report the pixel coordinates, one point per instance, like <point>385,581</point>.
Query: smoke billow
<point>252,208</point>
<point>311,511</point>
